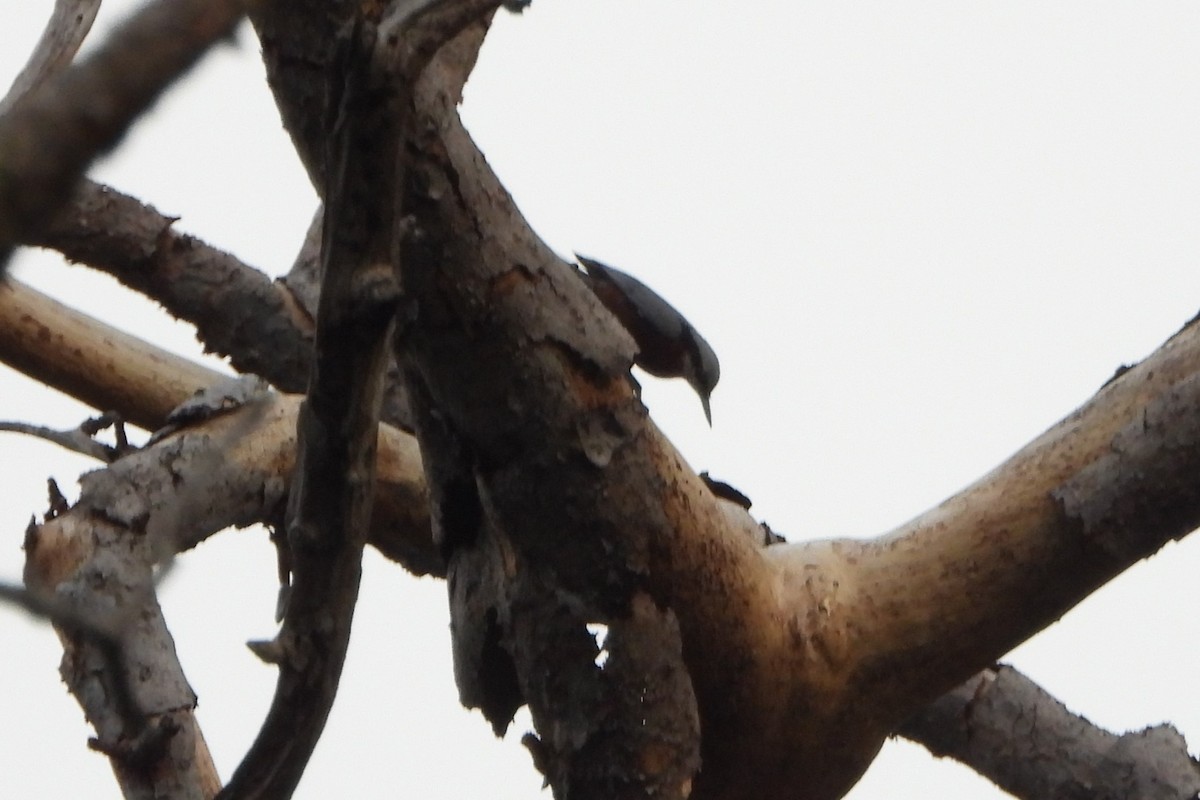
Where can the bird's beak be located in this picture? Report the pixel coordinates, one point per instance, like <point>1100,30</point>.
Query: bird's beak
<point>707,410</point>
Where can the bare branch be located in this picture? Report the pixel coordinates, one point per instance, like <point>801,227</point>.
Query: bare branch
<point>1008,729</point>
<point>266,451</point>
<point>63,347</point>
<point>79,440</point>
<point>265,327</point>
<point>329,506</point>
<point>539,456</point>
<point>417,29</point>
<point>52,134</point>
<point>91,361</point>
<point>297,42</point>
<point>120,665</point>
<point>811,638</point>
<point>238,311</point>
<point>370,99</point>
<point>65,31</point>
<point>1109,485</point>
<point>103,630</point>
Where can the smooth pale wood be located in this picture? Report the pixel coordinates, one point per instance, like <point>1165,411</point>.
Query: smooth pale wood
<point>95,363</point>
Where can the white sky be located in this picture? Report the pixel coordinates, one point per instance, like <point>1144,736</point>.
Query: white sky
<point>916,235</point>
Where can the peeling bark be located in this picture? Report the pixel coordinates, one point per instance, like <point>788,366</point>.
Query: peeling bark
<point>562,512</point>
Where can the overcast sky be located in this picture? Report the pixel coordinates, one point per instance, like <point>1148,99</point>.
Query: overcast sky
<point>916,235</point>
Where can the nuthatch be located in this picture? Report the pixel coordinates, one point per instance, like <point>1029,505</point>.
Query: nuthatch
<point>668,345</point>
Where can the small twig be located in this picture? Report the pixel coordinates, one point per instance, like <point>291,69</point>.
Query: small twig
<point>78,440</point>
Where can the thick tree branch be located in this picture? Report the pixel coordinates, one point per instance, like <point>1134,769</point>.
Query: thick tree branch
<point>298,46</point>
<point>783,647</point>
<point>330,503</point>
<point>265,327</point>
<point>267,439</point>
<point>1012,732</point>
<point>121,667</point>
<point>228,469</point>
<point>50,135</point>
<point>102,629</point>
<point>881,627</point>
<point>110,369</point>
<point>1104,488</point>
<point>93,362</point>
<point>554,496</point>
<point>538,452</point>
<point>237,310</point>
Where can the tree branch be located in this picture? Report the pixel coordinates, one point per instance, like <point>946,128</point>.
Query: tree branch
<point>237,310</point>
<point>1008,729</point>
<point>50,135</point>
<point>93,362</point>
<point>811,638</point>
<point>265,450</point>
<point>103,631</point>
<point>539,455</point>
<point>111,369</point>
<point>80,439</point>
<point>121,667</point>
<point>1104,488</point>
<point>265,327</point>
<point>329,505</point>
<point>65,31</point>
<point>532,437</point>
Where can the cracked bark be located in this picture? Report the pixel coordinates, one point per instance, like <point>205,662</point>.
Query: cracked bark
<point>532,433</point>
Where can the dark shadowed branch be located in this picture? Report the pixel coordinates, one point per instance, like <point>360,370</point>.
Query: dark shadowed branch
<point>329,505</point>
<point>265,327</point>
<point>51,134</point>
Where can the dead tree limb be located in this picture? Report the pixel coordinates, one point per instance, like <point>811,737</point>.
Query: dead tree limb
<point>264,327</point>
<point>162,370</point>
<point>107,368</point>
<point>51,134</point>
<point>329,504</point>
<point>542,459</point>
<point>128,680</point>
<point>1011,731</point>
<point>538,454</point>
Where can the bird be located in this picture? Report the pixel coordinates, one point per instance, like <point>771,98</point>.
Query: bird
<point>668,345</point>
